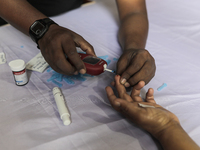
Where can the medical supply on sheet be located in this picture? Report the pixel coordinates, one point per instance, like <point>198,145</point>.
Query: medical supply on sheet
<point>2,58</point>
<point>37,63</point>
<point>145,106</point>
<point>62,108</point>
<point>106,69</point>
<point>162,87</point>
<point>19,71</point>
<point>94,65</point>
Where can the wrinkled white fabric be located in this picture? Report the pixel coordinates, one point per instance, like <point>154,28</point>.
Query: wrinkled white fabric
<point>29,118</point>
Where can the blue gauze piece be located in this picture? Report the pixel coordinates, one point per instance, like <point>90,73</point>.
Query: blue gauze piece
<point>162,87</point>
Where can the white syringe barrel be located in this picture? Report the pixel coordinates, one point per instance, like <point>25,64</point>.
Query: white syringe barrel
<point>63,111</point>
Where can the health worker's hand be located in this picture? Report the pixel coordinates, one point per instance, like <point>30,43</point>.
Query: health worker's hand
<point>154,120</point>
<point>136,65</point>
<point>59,42</point>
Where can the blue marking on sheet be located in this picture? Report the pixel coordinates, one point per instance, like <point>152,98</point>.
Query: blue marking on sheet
<point>69,81</point>
<point>87,75</point>
<point>105,58</point>
<point>58,78</point>
<point>162,87</point>
<point>57,83</point>
<point>49,69</point>
<point>115,59</point>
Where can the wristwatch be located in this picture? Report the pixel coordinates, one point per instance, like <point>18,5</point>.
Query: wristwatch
<point>39,28</point>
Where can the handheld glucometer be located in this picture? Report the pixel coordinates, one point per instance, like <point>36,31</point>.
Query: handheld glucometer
<point>94,65</point>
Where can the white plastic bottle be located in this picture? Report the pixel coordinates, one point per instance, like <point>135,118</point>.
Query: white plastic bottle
<point>18,68</point>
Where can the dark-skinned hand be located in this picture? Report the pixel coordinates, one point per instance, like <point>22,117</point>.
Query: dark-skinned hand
<point>154,120</point>
<point>59,42</point>
<point>135,65</point>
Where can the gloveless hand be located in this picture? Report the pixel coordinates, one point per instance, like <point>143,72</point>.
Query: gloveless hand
<point>59,42</point>
<point>154,120</point>
<point>136,65</point>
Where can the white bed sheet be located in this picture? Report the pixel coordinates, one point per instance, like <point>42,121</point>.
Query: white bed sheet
<point>29,117</point>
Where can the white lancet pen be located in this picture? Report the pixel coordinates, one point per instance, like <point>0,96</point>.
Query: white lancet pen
<point>62,108</point>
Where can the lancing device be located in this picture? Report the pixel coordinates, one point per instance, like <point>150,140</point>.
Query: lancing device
<point>63,111</point>
<point>94,65</point>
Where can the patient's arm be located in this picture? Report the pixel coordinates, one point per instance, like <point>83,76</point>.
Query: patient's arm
<point>56,42</point>
<point>136,63</point>
<point>161,123</point>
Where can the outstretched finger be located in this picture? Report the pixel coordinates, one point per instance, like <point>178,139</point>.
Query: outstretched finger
<point>121,90</point>
<point>150,96</point>
<point>136,89</point>
<point>73,56</point>
<point>112,98</point>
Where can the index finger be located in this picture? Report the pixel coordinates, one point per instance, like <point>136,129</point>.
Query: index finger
<point>121,90</point>
<point>73,56</point>
<point>84,45</point>
<point>112,98</point>
<point>132,69</point>
<point>136,89</point>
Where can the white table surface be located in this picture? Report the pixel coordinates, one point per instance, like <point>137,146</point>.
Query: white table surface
<point>29,117</point>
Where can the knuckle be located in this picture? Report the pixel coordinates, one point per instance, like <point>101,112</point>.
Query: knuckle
<point>127,75</point>
<point>136,67</point>
<point>132,82</point>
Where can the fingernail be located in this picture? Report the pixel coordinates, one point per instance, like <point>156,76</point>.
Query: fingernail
<point>82,71</point>
<point>123,81</point>
<point>127,84</point>
<point>117,104</point>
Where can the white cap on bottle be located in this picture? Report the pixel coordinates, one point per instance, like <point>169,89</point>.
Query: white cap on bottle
<point>17,65</point>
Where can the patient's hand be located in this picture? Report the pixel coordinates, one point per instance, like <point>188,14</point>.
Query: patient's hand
<point>154,120</point>
<point>136,65</point>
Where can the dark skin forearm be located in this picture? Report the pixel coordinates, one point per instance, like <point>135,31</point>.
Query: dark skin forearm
<point>134,24</point>
<point>57,41</point>
<point>161,123</point>
<point>174,137</point>
<point>19,13</point>
<point>136,63</point>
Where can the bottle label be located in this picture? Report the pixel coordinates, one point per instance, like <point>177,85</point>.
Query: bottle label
<point>20,77</point>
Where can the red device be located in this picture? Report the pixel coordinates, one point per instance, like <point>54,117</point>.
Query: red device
<point>94,65</point>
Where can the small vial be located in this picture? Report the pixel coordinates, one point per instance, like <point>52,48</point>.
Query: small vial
<point>18,68</point>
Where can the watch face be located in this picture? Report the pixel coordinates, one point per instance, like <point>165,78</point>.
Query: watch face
<point>37,28</point>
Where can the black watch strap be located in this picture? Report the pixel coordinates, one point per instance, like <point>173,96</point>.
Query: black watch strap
<point>38,29</point>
